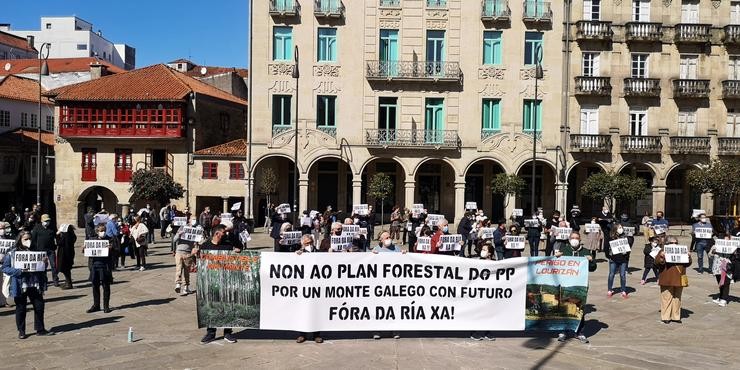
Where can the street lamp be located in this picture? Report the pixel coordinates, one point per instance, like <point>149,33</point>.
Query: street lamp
<point>538,73</point>
<point>43,71</point>
<point>296,75</point>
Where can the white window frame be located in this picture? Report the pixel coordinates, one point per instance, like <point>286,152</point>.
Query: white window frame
<point>589,120</point>
<point>690,11</point>
<point>734,12</point>
<point>686,123</point>
<point>732,129</point>
<point>641,63</point>
<point>591,10</point>
<point>641,10</point>
<point>688,66</point>
<point>638,128</point>
<point>733,67</point>
<point>591,64</point>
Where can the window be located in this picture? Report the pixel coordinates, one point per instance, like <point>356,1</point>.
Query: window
<point>48,26</point>
<point>326,110</point>
<point>690,11</point>
<point>491,47</point>
<point>123,165</point>
<point>589,121</point>
<point>81,46</point>
<point>281,110</point>
<point>236,171</point>
<point>49,123</point>
<point>639,65</point>
<point>688,66</point>
<point>34,120</point>
<point>532,43</point>
<point>687,123</point>
<point>435,46</point>
<point>34,169</point>
<point>4,118</point>
<point>327,45</point>
<point>641,10</point>
<point>491,120</point>
<point>638,122</point>
<point>89,164</point>
<point>591,64</point>
<point>9,165</point>
<point>388,52</point>
<point>591,10</point>
<point>282,43</point>
<point>436,3</point>
<point>434,120</point>
<point>733,72</point>
<point>733,124</point>
<point>210,170</point>
<point>387,113</point>
<point>159,158</point>
<point>735,12</point>
<point>24,119</point>
<point>532,113</point>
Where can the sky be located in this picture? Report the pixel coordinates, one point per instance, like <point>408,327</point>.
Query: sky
<point>207,32</point>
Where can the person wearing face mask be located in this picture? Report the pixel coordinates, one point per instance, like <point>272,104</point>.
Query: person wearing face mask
<point>113,232</point>
<point>702,244</point>
<point>594,239</point>
<point>436,241</point>
<point>43,239</point>
<point>464,227</point>
<point>499,237</point>
<point>184,252</point>
<point>308,246</point>
<point>552,222</point>
<point>335,230</point>
<point>386,244</point>
<point>617,262</point>
<point>605,219</point>
<point>624,221</point>
<point>649,263</point>
<point>534,231</point>
<point>278,220</point>
<point>216,242</point>
<point>66,239</point>
<point>4,279</point>
<point>672,280</point>
<point>512,253</point>
<point>416,220</point>
<point>574,249</point>
<point>101,273</point>
<point>140,234</point>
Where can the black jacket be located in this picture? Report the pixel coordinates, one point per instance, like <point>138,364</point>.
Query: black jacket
<point>43,239</point>
<point>464,227</point>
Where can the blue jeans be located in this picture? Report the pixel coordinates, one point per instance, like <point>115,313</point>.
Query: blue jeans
<point>534,246</point>
<point>499,254</point>
<point>622,274</point>
<point>702,245</point>
<point>52,255</point>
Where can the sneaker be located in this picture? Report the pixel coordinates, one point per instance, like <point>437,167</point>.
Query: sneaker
<point>489,338</point>
<point>609,294</point>
<point>716,301</point>
<point>561,337</point>
<point>582,338</point>
<point>229,338</point>
<point>318,340</point>
<point>722,303</point>
<point>624,295</point>
<point>473,337</point>
<point>208,338</point>
<point>300,339</point>
<point>642,282</point>
<point>141,268</point>
<point>177,288</point>
<point>185,291</point>
<point>376,336</point>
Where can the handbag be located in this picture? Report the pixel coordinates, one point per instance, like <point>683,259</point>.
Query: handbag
<point>684,278</point>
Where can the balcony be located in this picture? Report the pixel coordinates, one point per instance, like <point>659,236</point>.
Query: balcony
<point>495,10</point>
<point>328,9</point>
<point>408,138</point>
<point>123,174</point>
<point>642,87</point>
<point>731,89</point>
<point>689,145</point>
<point>121,123</point>
<point>89,172</point>
<point>593,86</point>
<point>692,33</point>
<point>393,4</point>
<point>590,143</point>
<point>696,89</point>
<point>413,71</point>
<point>284,8</point>
<point>731,35</point>
<point>640,144</point>
<point>729,145</point>
<point>643,31</point>
<point>537,12</point>
<point>436,4</point>
<point>594,30</point>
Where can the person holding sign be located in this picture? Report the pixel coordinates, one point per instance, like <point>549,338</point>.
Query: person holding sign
<point>140,234</point>
<point>499,238</point>
<point>25,286</point>
<point>217,243</point>
<point>43,239</point>
<point>101,273</point>
<point>534,232</point>
<point>594,237</point>
<point>308,246</point>
<point>7,244</point>
<point>574,249</point>
<point>722,267</point>
<point>617,253</point>
<point>185,249</point>
<point>66,239</point>
<point>386,244</point>
<point>672,280</point>
<point>702,231</point>
<point>649,264</point>
<point>512,250</point>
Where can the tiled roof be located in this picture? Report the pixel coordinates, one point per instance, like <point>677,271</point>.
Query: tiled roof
<point>56,65</point>
<point>236,148</point>
<point>20,88</point>
<point>153,83</point>
<point>15,41</point>
<point>20,135</point>
<point>212,71</point>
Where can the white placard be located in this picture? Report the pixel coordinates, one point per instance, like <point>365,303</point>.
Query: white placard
<point>417,209</point>
<point>282,208</point>
<point>100,218</point>
<point>417,231</point>
<point>179,221</point>
<point>592,228</point>
<point>29,261</point>
<point>514,242</point>
<point>676,253</point>
<point>696,212</point>
<point>351,229</point>
<point>620,246</point>
<point>424,244</point>
<point>628,231</point>
<point>226,217</point>
<point>434,219</point>
<point>63,228</point>
<point>244,237</point>
<point>529,223</point>
<point>340,243</point>
<point>450,243</point>
<point>291,238</point>
<point>562,233</point>
<point>654,252</point>
<point>306,221</point>
<point>660,229</point>
<point>487,232</point>
<point>361,209</point>
<point>96,248</point>
<point>735,238</point>
<point>518,212</point>
<point>313,214</point>
<point>703,232</point>
<point>192,234</point>
<point>726,246</point>
<point>6,245</point>
<point>471,206</point>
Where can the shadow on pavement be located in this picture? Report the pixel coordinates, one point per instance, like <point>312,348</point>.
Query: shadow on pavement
<point>158,265</point>
<point>151,302</point>
<point>86,324</point>
<point>87,285</point>
<point>685,314</point>
<point>368,335</point>
<point>593,327</point>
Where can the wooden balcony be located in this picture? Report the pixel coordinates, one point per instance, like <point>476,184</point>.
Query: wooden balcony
<point>123,174</point>
<point>495,10</point>
<point>593,86</point>
<point>121,123</point>
<point>413,71</point>
<point>285,8</point>
<point>689,145</point>
<point>594,30</point>
<point>640,144</point>
<point>412,139</point>
<point>643,31</point>
<point>590,143</point>
<point>691,89</point>
<point>689,33</point>
<point>731,35</point>
<point>642,87</point>
<point>537,12</point>
<point>729,145</point>
<point>89,173</point>
<point>731,89</point>
<point>328,9</point>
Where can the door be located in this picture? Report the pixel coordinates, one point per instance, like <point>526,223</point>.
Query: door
<point>591,64</point>
<point>589,126</point>
<point>735,12</point>
<point>387,114</point>
<point>591,10</point>
<point>688,67</point>
<point>434,121</point>
<point>733,72</point>
<point>690,11</point>
<point>435,52</point>
<point>389,52</point>
<point>687,123</point>
<point>638,123</point>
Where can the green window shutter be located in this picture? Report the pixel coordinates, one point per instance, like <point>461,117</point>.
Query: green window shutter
<point>492,53</point>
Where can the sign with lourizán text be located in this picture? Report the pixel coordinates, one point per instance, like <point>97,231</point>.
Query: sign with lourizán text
<point>193,234</point>
<point>487,232</point>
<point>562,233</point>
<point>676,253</point>
<point>620,246</point>
<point>533,222</point>
<point>96,248</point>
<point>180,221</point>
<point>471,206</point>
<point>424,244</point>
<point>29,261</point>
<point>6,245</point>
<point>628,230</point>
<point>361,209</point>
<point>703,232</point>
<point>518,212</point>
<point>514,242</point>
<point>726,246</point>
<point>450,243</point>
<point>341,243</point>
<point>433,219</point>
<point>291,238</point>
<point>592,228</point>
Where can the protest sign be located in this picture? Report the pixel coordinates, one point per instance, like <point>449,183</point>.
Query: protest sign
<point>291,238</point>
<point>434,219</point>
<point>628,231</point>
<point>471,206</point>
<point>703,232</point>
<point>487,232</point>
<point>514,242</point>
<point>660,229</point>
<point>340,243</point>
<point>96,248</point>
<point>676,253</point>
<point>100,218</point>
<point>192,234</point>
<point>313,214</point>
<point>350,229</point>
<point>450,243</point>
<point>531,223</point>
<point>6,245</point>
<point>518,212</point>
<point>417,231</point>
<point>696,212</point>
<point>361,209</point>
<point>244,237</point>
<point>226,217</point>
<point>181,221</point>
<point>726,246</point>
<point>63,228</point>
<point>417,209</point>
<point>592,228</point>
<point>424,244</point>
<point>735,237</point>
<point>620,246</point>
<point>562,233</point>
<point>654,252</point>
<point>29,261</point>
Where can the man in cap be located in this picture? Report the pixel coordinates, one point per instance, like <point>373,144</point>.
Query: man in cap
<point>43,239</point>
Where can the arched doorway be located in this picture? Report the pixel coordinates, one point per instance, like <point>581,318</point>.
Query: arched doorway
<point>643,205</point>
<point>395,171</point>
<point>276,192</point>
<point>577,176</point>
<point>98,198</point>
<point>435,187</point>
<point>680,198</point>
<point>478,179</point>
<point>544,190</point>
<point>330,184</point>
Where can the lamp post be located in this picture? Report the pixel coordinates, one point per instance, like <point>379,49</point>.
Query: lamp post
<point>296,75</point>
<point>43,71</point>
<point>538,73</point>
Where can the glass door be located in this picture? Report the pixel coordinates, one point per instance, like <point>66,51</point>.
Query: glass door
<point>435,52</point>
<point>388,52</point>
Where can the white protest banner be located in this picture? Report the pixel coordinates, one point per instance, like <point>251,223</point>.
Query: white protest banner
<point>417,209</point>
<point>417,231</point>
<point>340,243</point>
<point>6,245</point>
<point>696,212</point>
<point>424,244</point>
<point>450,243</point>
<point>244,237</point>
<point>350,229</point>
<point>628,231</point>
<point>726,246</point>
<point>360,209</point>
<point>562,233</point>
<point>433,219</point>
<point>96,248</point>
<point>514,242</point>
<point>654,252</point>
<point>471,206</point>
<point>592,228</point>
<point>291,238</point>
<point>518,212</point>
<point>703,232</point>
<point>179,221</point>
<point>487,232</point>
<point>531,223</point>
<point>30,261</point>
<point>676,253</point>
<point>192,234</point>
<point>620,246</point>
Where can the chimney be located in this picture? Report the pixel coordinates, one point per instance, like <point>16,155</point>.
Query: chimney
<point>97,70</point>
<point>30,40</point>
<point>5,27</point>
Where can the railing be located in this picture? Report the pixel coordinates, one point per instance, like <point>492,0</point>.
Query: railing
<point>390,3</point>
<point>488,132</point>
<point>120,122</point>
<point>492,10</point>
<point>279,129</point>
<point>591,143</point>
<point>328,8</point>
<point>123,174</point>
<point>732,34</point>
<point>642,87</point>
<point>640,144</point>
<point>729,145</point>
<point>397,70</point>
<point>689,145</point>
<point>437,4</point>
<point>89,173</point>
<point>411,138</point>
<point>643,31</point>
<point>329,130</point>
<point>594,30</point>
<point>731,89</point>
<point>537,11</point>
<point>685,88</point>
<point>596,86</point>
<point>688,32</point>
<point>285,7</point>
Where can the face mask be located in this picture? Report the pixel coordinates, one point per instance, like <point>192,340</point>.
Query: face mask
<point>120,223</point>
<point>308,248</point>
<point>593,222</point>
<point>387,242</point>
<point>484,254</point>
<point>653,244</point>
<point>45,223</point>
<point>703,220</point>
<point>101,234</point>
<point>575,242</point>
<point>192,223</point>
<point>620,230</point>
<point>2,232</point>
<point>26,243</point>
<point>356,221</point>
<point>445,229</point>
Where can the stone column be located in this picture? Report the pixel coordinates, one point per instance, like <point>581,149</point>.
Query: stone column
<point>302,194</point>
<point>249,200</point>
<point>125,210</point>
<point>658,198</point>
<point>410,190</point>
<point>707,203</point>
<point>356,192</point>
<point>561,197</point>
<point>225,204</point>
<point>459,201</point>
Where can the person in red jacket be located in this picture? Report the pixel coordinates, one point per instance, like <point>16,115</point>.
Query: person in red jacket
<point>442,229</point>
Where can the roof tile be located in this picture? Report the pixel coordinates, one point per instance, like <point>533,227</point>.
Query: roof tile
<point>56,65</point>
<point>15,41</point>
<point>236,148</point>
<point>21,88</point>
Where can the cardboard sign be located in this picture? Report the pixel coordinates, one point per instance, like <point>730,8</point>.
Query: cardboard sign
<point>628,231</point>
<point>291,238</point>
<point>313,214</point>
<point>226,217</point>
<point>100,218</point>
<point>592,228</point>
<point>283,208</point>
<point>424,244</point>
<point>96,248</point>
<point>361,209</point>
<point>562,233</point>
<point>417,209</point>
<point>620,246</point>
<point>417,231</point>
<point>676,253</point>
<point>514,242</point>
<point>703,232</point>
<point>340,243</point>
<point>471,206</point>
<point>654,252</point>
<point>180,221</point>
<point>192,234</point>
<point>518,212</point>
<point>726,246</point>
<point>433,219</point>
<point>306,221</point>
<point>6,245</point>
<point>450,243</point>
<point>696,212</point>
<point>244,237</point>
<point>660,229</point>
<point>29,261</point>
<point>529,223</point>
<point>351,229</point>
<point>487,232</point>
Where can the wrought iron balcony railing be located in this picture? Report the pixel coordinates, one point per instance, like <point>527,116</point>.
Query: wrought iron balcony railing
<point>390,3</point>
<point>437,4</point>
<point>328,8</point>
<point>495,10</point>
<point>731,35</point>
<point>591,143</point>
<point>413,71</point>
<point>685,88</point>
<point>731,89</point>
<point>689,145</point>
<point>729,145</point>
<point>279,129</point>
<point>408,138</point>
<point>593,86</point>
<point>537,11</point>
<point>643,31</point>
<point>329,130</point>
<point>285,8</point>
<point>640,144</point>
<point>692,33</point>
<point>642,87</point>
<point>594,30</point>
<point>488,132</point>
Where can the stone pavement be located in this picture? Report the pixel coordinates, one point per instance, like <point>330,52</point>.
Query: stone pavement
<point>623,333</point>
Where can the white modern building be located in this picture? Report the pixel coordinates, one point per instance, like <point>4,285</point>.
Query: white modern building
<point>72,37</point>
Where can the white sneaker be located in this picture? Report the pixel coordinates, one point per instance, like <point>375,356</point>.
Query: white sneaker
<point>489,338</point>
<point>185,291</point>
<point>177,288</point>
<point>582,338</point>
<point>561,337</point>
<point>722,303</point>
<point>141,268</point>
<point>716,301</point>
